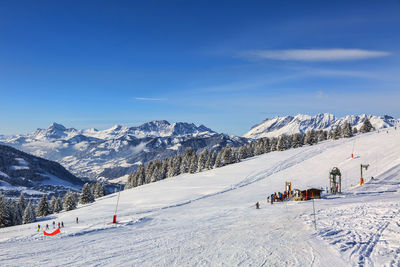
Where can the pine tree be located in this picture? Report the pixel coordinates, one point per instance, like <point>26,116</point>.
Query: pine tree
<point>29,214</point>
<point>103,191</point>
<point>210,160</point>
<point>86,195</point>
<point>173,167</point>
<point>69,201</point>
<point>226,155</point>
<point>322,135</point>
<point>96,191</point>
<point>310,137</point>
<point>330,134</point>
<point>235,155</point>
<point>164,169</point>
<point>21,205</point>
<point>218,162</point>
<point>297,140</point>
<point>3,216</point>
<point>57,205</point>
<point>149,169</point>
<point>43,207</point>
<point>355,131</point>
<point>243,152</point>
<point>337,132</point>
<point>366,127</point>
<point>274,142</point>
<point>346,130</point>
<point>15,213</point>
<point>281,146</point>
<point>259,147</point>
<point>53,201</point>
<point>213,158</point>
<point>201,164</point>
<point>8,212</point>
<point>193,164</point>
<point>141,175</point>
<point>267,145</point>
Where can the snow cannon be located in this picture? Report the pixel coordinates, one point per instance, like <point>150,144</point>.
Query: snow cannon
<point>361,168</point>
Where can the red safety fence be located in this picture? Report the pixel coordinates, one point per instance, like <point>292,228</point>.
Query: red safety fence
<point>53,233</point>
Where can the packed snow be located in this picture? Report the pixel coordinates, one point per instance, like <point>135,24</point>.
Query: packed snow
<point>209,218</point>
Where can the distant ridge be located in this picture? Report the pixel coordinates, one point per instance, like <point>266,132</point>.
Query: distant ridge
<point>22,172</point>
<point>324,121</point>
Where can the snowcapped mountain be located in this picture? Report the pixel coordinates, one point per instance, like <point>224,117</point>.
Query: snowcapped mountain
<point>302,123</point>
<point>22,172</point>
<point>115,152</point>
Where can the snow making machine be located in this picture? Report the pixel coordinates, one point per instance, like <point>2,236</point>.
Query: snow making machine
<point>335,181</point>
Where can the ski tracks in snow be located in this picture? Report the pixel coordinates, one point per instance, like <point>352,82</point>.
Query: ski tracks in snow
<point>364,232</point>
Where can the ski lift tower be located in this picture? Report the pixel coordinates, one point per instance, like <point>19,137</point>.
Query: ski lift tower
<point>335,181</point>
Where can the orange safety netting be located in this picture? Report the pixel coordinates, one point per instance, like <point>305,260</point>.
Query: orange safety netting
<point>53,233</point>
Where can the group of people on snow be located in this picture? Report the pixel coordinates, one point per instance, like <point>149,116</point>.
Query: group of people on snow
<point>275,197</point>
<point>60,225</point>
<point>278,197</point>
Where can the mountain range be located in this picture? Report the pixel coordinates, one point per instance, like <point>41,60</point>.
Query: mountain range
<point>113,153</point>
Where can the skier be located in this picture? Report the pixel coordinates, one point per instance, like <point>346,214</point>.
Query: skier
<point>47,227</point>
<point>76,219</point>
<point>327,190</point>
<point>268,199</point>
<point>257,205</point>
<point>38,227</point>
<point>58,225</point>
<point>54,224</point>
<point>62,224</point>
<point>272,199</point>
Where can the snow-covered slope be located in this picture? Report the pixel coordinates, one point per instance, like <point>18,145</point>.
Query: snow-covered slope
<point>115,152</point>
<point>302,123</point>
<point>209,218</point>
<point>22,172</point>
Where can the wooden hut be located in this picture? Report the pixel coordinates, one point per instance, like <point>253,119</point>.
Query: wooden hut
<point>302,195</point>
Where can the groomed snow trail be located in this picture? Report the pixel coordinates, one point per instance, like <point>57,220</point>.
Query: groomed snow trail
<point>209,218</point>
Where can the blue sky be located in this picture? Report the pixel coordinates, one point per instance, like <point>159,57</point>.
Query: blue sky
<point>225,64</point>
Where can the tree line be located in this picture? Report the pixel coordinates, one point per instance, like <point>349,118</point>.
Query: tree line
<point>192,162</point>
<point>16,212</point>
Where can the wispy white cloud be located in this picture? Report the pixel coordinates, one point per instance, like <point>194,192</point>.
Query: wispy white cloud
<point>314,54</point>
<point>149,99</point>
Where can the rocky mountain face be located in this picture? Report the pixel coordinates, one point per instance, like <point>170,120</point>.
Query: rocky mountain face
<point>113,153</point>
<point>302,123</point>
<point>22,172</point>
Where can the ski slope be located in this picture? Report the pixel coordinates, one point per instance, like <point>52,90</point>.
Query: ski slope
<point>209,218</point>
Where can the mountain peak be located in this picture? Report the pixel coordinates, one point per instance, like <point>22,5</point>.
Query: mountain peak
<point>57,126</point>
